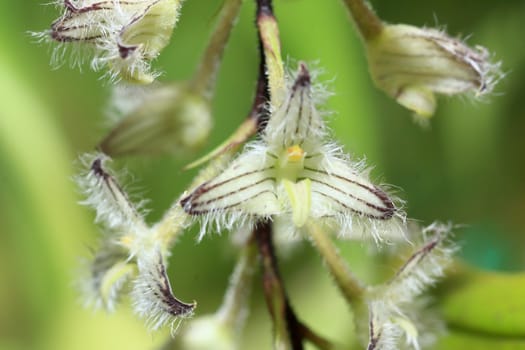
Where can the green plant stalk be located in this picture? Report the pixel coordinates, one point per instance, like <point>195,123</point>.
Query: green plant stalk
<point>351,288</point>
<point>204,79</point>
<point>231,312</point>
<point>269,38</point>
<point>367,22</point>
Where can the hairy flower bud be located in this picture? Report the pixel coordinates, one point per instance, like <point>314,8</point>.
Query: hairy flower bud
<point>411,64</point>
<point>162,119</point>
<point>125,35</point>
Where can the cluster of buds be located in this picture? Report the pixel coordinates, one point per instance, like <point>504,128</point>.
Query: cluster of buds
<point>292,182</point>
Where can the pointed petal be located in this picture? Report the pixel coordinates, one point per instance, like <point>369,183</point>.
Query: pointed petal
<point>297,119</point>
<point>152,294</point>
<point>105,195</point>
<point>247,186</point>
<point>424,267</point>
<point>343,189</point>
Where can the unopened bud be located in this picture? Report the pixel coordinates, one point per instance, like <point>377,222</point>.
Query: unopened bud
<point>411,64</point>
<point>169,119</point>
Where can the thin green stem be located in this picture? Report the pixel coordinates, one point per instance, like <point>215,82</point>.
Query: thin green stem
<point>204,80</point>
<point>349,285</point>
<point>232,311</point>
<point>367,22</point>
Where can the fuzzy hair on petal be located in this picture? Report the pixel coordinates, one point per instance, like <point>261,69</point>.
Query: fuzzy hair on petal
<point>152,294</point>
<point>105,195</point>
<point>425,266</point>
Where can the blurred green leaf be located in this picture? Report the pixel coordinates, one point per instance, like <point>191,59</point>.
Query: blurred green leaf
<point>457,340</point>
<point>486,303</point>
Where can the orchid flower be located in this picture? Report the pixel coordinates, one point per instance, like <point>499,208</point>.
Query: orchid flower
<point>399,317</point>
<point>293,172</point>
<point>132,257</point>
<point>124,35</point>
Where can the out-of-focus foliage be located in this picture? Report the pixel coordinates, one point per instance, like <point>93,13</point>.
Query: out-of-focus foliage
<point>468,167</point>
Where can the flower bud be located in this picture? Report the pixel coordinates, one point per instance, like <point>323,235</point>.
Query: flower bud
<point>167,119</point>
<point>125,35</point>
<point>411,64</point>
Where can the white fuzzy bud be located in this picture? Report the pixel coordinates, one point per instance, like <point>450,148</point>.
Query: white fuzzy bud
<point>411,64</point>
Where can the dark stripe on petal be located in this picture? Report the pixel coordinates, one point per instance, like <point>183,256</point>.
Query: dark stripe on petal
<point>385,209</point>
<point>375,190</point>
<point>344,205</point>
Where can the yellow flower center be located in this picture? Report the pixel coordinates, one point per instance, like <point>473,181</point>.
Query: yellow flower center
<point>295,154</point>
<point>291,163</point>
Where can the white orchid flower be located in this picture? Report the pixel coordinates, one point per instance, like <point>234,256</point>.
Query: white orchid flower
<point>293,172</point>
<point>124,35</point>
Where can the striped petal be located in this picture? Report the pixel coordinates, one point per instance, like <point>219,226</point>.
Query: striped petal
<point>342,189</point>
<point>296,120</point>
<point>247,186</point>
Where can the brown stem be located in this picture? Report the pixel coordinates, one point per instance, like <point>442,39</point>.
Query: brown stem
<point>286,324</point>
<point>288,327</point>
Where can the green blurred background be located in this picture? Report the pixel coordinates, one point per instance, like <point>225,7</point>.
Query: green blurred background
<point>467,168</point>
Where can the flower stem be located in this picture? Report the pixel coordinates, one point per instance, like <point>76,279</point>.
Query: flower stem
<point>283,317</point>
<point>269,37</point>
<point>289,331</point>
<point>252,123</point>
<point>204,80</point>
<point>351,288</point>
<point>233,309</point>
<point>367,22</point>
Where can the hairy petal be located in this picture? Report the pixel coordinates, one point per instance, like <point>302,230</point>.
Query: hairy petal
<point>104,194</point>
<point>246,187</point>
<point>424,267</point>
<point>152,294</point>
<point>296,121</point>
<point>383,333</point>
<point>340,188</point>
